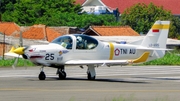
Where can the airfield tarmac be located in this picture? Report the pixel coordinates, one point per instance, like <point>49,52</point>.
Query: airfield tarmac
<point>127,83</point>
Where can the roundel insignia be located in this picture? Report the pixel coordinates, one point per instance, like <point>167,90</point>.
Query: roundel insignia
<point>116,52</point>
<point>60,52</point>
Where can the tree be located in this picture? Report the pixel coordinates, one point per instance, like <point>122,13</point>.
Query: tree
<point>53,13</point>
<point>4,4</point>
<point>26,12</point>
<point>141,17</point>
<point>175,28</point>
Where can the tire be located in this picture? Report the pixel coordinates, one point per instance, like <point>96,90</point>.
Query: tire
<point>89,76</point>
<point>62,75</point>
<point>42,76</point>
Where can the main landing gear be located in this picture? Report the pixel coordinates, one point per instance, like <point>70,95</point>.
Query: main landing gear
<point>61,72</point>
<point>91,74</point>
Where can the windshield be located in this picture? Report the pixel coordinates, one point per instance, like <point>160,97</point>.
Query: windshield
<point>65,41</point>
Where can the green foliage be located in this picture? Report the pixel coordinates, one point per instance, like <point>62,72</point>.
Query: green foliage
<point>53,13</point>
<point>141,17</point>
<point>6,5</point>
<point>175,28</point>
<point>26,12</point>
<point>168,59</point>
<point>73,19</point>
<point>10,62</point>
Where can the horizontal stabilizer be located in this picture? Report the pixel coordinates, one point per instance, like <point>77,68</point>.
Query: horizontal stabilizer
<point>146,48</point>
<point>142,58</point>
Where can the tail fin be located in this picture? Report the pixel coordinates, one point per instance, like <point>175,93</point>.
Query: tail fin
<point>157,35</point>
<point>156,39</point>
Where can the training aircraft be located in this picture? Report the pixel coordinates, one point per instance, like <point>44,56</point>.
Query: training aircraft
<point>84,50</point>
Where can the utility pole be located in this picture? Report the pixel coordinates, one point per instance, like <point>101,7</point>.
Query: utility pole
<point>3,33</point>
<point>20,37</point>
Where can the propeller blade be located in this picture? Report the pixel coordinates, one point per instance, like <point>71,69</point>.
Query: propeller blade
<point>15,63</point>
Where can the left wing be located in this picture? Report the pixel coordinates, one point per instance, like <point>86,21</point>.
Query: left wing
<point>142,58</point>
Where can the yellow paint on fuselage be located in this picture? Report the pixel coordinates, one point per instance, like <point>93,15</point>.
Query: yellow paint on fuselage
<point>111,54</point>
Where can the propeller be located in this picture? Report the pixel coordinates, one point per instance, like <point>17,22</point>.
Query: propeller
<point>15,63</point>
<point>20,52</point>
<point>17,53</point>
<point>20,45</point>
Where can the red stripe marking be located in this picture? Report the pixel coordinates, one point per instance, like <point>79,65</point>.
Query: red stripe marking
<point>155,30</point>
<point>32,57</point>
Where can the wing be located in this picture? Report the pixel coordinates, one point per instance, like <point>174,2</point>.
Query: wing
<point>142,58</point>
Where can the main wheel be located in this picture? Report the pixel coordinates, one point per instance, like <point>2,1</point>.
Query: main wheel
<point>89,76</point>
<point>62,75</point>
<point>42,76</point>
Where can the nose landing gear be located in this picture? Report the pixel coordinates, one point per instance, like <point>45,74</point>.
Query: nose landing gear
<point>42,75</point>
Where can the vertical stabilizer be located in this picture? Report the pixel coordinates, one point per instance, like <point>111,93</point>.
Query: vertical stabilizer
<point>157,35</point>
<point>156,39</point>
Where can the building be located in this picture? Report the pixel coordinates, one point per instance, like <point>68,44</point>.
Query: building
<point>111,31</point>
<point>100,6</point>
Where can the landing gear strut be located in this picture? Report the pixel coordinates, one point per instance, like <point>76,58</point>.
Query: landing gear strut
<point>61,72</point>
<point>91,74</point>
<point>42,75</point>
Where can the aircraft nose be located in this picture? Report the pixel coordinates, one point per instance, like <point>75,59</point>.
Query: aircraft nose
<point>19,50</point>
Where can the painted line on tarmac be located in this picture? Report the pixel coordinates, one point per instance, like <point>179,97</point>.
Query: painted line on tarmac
<point>84,90</point>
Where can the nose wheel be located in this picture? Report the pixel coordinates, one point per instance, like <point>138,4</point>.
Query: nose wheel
<point>42,75</point>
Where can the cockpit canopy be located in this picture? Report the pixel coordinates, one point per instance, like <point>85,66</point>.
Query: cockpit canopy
<point>80,42</point>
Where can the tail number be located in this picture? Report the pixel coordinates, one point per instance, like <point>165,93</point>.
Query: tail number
<point>49,56</point>
<point>154,45</point>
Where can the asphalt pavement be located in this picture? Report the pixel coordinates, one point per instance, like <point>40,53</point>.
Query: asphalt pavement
<point>127,83</point>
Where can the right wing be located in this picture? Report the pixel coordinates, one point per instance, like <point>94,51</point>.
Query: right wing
<point>142,58</point>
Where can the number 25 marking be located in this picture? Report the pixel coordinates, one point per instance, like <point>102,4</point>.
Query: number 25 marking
<point>49,56</point>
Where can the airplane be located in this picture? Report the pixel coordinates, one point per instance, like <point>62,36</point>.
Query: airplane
<point>83,50</point>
